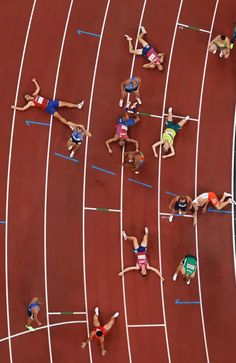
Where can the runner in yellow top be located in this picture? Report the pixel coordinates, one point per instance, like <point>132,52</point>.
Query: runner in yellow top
<point>169,135</point>
<point>221,43</point>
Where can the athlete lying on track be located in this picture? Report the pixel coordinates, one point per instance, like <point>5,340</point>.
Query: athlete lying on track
<point>32,310</point>
<point>187,268</point>
<point>100,331</point>
<point>140,252</point>
<point>135,159</point>
<point>169,135</point>
<point>50,106</point>
<point>221,43</point>
<point>210,197</point>
<point>155,58</point>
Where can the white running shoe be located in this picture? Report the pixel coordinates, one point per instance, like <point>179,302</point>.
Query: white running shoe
<point>80,105</point>
<point>96,311</point>
<point>116,315</point>
<point>72,154</point>
<point>188,282</point>
<point>214,51</point>
<point>227,194</point>
<point>171,218</point>
<point>121,103</point>
<point>170,110</point>
<point>128,37</point>
<point>134,105</point>
<point>146,230</point>
<point>139,100</point>
<point>187,118</point>
<point>174,278</point>
<point>232,201</point>
<point>70,147</point>
<point>143,30</point>
<point>124,235</point>
<point>136,172</point>
<point>221,54</point>
<point>30,327</point>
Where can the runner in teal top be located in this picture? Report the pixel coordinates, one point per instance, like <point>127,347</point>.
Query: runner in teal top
<point>187,268</point>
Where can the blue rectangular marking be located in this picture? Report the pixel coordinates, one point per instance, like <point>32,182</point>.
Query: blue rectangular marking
<point>103,170</point>
<point>29,122</point>
<point>219,211</point>
<point>88,33</point>
<point>170,193</point>
<point>66,157</point>
<point>138,182</point>
<point>2,222</point>
<point>178,302</point>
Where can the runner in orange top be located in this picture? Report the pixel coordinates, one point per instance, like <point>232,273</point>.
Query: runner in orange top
<point>100,331</point>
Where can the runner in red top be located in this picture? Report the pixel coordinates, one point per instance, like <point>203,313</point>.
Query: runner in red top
<point>140,252</point>
<point>50,106</point>
<point>100,331</point>
<point>155,58</point>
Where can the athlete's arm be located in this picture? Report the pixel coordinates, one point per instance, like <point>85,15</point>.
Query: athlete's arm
<point>135,142</point>
<point>139,81</point>
<point>205,207</point>
<point>172,202</point>
<point>149,65</point>
<point>28,105</point>
<point>108,142</point>
<point>172,152</point>
<point>127,269</point>
<point>83,344</point>
<point>122,85</point>
<point>154,147</point>
<point>36,92</point>
<point>156,271</point>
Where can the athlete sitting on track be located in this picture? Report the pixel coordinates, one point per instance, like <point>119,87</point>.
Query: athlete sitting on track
<point>140,252</point>
<point>32,311</point>
<point>203,200</point>
<point>45,104</point>
<point>221,43</point>
<point>179,205</point>
<point>76,139</point>
<point>169,135</point>
<point>187,268</point>
<point>128,86</point>
<point>134,159</point>
<point>155,59</point>
<point>100,331</point>
<point>122,125</point>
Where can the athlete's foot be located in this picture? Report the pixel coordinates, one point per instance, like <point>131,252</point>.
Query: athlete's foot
<point>96,310</point>
<point>116,315</point>
<point>232,201</point>
<point>174,278</point>
<point>139,100</point>
<point>188,282</point>
<point>124,235</point>
<point>72,154</point>
<point>136,172</point>
<point>70,147</point>
<point>143,30</point>
<point>227,195</point>
<point>221,54</point>
<point>187,118</point>
<point>170,110</point>
<point>146,230</point>
<point>121,103</point>
<point>171,218</point>
<point>128,37</point>
<point>80,105</point>
<point>30,327</point>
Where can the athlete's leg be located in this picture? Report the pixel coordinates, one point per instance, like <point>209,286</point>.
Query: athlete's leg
<point>181,269</point>
<point>70,105</point>
<point>141,40</point>
<point>222,203</point>
<point>183,122</point>
<point>111,321</point>
<point>131,48</point>
<point>213,48</point>
<point>29,321</point>
<point>145,238</point>
<point>170,116</point>
<point>225,53</point>
<point>74,149</point>
<point>96,321</point>
<point>70,144</point>
<point>131,238</point>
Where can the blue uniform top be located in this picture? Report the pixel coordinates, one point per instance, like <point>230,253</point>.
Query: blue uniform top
<point>130,85</point>
<point>77,135</point>
<point>33,306</point>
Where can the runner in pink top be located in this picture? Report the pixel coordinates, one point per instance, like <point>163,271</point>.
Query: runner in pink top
<point>140,252</point>
<point>47,105</point>
<point>155,58</point>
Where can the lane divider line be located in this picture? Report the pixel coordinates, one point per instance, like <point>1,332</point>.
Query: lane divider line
<point>160,117</point>
<point>144,325</point>
<point>103,170</point>
<point>66,157</point>
<point>193,28</point>
<point>103,209</point>
<point>67,313</point>
<point>29,122</point>
<point>179,302</point>
<point>79,31</point>
<point>177,215</point>
<point>141,183</point>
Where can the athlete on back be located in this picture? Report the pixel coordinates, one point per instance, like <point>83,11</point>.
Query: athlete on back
<point>50,106</point>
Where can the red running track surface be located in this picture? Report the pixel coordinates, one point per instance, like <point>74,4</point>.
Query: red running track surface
<point>53,245</point>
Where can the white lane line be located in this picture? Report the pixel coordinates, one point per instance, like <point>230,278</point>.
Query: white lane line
<point>85,168</point>
<point>232,192</point>
<point>196,180</point>
<point>8,180</point>
<point>194,28</point>
<point>46,183</point>
<point>145,325</point>
<point>177,215</point>
<point>181,117</point>
<point>43,327</point>
<point>122,197</point>
<point>159,178</point>
<point>103,209</point>
<point>160,117</point>
<point>67,313</point>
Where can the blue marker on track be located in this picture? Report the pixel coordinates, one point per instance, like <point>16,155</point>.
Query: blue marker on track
<point>170,193</point>
<point>2,222</point>
<point>138,182</point>
<point>79,31</point>
<point>29,122</point>
<point>178,302</point>
<point>103,170</point>
<point>66,157</point>
<point>219,211</point>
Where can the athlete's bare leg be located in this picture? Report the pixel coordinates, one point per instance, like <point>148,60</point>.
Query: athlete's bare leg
<point>140,37</point>
<point>145,238</point>
<point>111,321</point>
<point>181,269</point>
<point>62,119</point>
<point>96,322</point>
<point>183,122</point>
<point>170,116</point>
<point>29,321</point>
<point>70,105</point>
<point>134,240</point>
<point>222,202</point>
<point>131,48</point>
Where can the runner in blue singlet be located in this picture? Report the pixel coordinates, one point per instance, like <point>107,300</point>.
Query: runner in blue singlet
<point>130,85</point>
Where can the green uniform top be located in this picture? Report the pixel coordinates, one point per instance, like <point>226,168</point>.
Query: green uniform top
<point>169,135</point>
<point>190,265</point>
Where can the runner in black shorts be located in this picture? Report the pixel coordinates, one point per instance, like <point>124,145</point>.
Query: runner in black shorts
<point>179,205</point>
<point>128,86</point>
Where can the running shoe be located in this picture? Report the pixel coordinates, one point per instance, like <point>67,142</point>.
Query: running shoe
<point>70,147</point>
<point>143,30</point>
<point>146,230</point>
<point>30,327</point>
<point>96,311</point>
<point>171,218</point>
<point>232,201</point>
<point>170,110</point>
<point>174,278</point>
<point>227,194</point>
<point>231,45</point>
<point>124,235</point>
<point>139,100</point>
<point>136,172</point>
<point>72,154</point>
<point>116,315</point>
<point>134,105</point>
<point>187,118</point>
<point>188,282</point>
<point>214,51</point>
<point>121,103</point>
<point>80,105</point>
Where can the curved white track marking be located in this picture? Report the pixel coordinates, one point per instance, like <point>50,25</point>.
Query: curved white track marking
<point>85,170</point>
<point>121,202</point>
<point>46,184</point>
<point>196,179</point>
<point>43,327</point>
<point>232,191</point>
<point>8,180</point>
<point>159,177</point>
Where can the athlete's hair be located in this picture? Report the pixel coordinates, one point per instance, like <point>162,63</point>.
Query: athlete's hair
<point>99,333</point>
<point>182,196</point>
<point>223,37</point>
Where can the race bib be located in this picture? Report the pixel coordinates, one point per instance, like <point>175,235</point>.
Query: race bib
<point>40,100</point>
<point>191,267</point>
<point>151,57</point>
<point>141,257</point>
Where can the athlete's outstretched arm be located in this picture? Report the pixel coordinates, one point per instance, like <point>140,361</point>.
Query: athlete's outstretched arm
<point>154,147</point>
<point>83,344</point>
<point>205,207</point>
<point>72,125</point>
<point>36,92</point>
<point>108,142</point>
<point>149,65</point>
<point>127,269</point>
<point>28,105</point>
<point>172,202</point>
<point>156,271</point>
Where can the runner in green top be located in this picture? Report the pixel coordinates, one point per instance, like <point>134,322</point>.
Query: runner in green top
<point>187,268</point>
<point>168,136</point>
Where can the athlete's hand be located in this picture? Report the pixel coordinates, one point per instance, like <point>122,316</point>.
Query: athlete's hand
<point>120,274</point>
<point>33,79</point>
<point>12,107</point>
<point>155,155</point>
<point>104,352</point>
<point>110,151</point>
<point>83,345</point>
<point>163,156</point>
<point>162,279</point>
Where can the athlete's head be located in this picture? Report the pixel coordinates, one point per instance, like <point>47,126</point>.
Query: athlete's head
<point>182,198</point>
<point>143,271</point>
<point>121,142</point>
<point>39,302</point>
<point>165,147</point>
<point>99,333</point>
<point>223,37</point>
<point>28,97</point>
